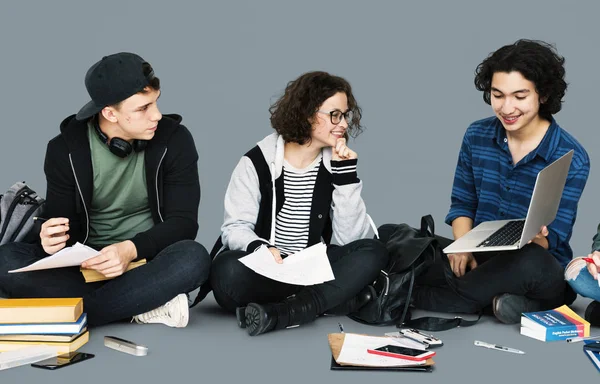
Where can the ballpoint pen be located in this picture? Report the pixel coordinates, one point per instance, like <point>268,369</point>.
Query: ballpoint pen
<point>577,339</point>
<point>497,347</point>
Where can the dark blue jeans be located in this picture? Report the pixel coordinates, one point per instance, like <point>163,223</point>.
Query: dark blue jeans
<point>179,268</point>
<point>354,265</point>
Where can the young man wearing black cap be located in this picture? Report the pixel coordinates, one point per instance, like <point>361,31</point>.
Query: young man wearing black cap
<point>122,179</point>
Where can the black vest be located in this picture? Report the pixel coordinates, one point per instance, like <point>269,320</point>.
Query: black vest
<point>320,226</point>
<point>320,220</point>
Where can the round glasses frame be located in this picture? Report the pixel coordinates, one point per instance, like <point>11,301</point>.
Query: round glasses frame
<point>336,116</point>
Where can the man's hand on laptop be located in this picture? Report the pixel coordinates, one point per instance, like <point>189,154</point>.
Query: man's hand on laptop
<point>541,238</point>
<point>460,261</point>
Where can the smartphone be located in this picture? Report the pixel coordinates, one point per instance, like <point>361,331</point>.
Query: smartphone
<point>126,346</point>
<point>62,360</point>
<point>402,352</point>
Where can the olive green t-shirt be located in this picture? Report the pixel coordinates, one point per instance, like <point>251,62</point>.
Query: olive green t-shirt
<point>120,207</point>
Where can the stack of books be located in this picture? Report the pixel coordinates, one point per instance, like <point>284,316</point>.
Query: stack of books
<point>59,323</point>
<point>556,324</point>
<point>92,276</point>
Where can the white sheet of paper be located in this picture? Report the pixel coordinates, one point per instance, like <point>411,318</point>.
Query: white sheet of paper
<point>307,267</point>
<point>354,351</point>
<point>66,257</point>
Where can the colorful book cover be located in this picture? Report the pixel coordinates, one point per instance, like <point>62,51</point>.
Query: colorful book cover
<point>556,324</point>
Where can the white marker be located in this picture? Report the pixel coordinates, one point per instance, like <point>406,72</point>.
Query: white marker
<point>497,347</point>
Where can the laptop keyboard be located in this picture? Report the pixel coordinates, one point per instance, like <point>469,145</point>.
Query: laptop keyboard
<point>509,234</point>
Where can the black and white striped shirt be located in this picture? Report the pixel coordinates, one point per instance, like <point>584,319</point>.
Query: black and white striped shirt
<point>292,223</point>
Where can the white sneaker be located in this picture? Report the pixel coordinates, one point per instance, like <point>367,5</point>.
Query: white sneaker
<point>174,313</point>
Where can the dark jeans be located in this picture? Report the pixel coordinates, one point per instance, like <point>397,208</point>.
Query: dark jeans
<point>179,268</point>
<point>531,271</point>
<point>354,265</point>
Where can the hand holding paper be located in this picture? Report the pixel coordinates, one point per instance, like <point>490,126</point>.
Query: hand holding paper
<point>66,257</point>
<point>307,267</point>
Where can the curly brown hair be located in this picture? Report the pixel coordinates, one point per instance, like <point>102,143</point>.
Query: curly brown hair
<point>292,113</point>
<point>538,62</point>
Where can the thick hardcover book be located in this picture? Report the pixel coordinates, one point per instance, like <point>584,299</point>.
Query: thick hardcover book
<point>556,324</point>
<point>64,347</point>
<point>40,310</point>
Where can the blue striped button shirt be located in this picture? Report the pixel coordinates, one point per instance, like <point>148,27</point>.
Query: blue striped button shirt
<point>488,186</point>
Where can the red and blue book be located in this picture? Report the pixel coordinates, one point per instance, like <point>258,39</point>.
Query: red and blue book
<point>555,324</point>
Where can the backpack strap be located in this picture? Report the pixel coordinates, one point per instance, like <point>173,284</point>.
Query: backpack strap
<point>436,324</point>
<point>430,323</point>
<point>427,226</point>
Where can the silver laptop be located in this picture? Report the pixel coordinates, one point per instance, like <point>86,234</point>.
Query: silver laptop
<point>504,235</point>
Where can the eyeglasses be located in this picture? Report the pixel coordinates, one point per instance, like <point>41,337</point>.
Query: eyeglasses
<point>336,116</point>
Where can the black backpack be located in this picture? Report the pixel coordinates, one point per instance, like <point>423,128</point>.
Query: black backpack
<point>18,205</point>
<point>412,251</point>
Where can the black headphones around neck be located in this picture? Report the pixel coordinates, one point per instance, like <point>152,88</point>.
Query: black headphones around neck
<point>118,146</point>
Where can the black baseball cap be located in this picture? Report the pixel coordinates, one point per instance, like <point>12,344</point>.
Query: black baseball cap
<point>112,80</point>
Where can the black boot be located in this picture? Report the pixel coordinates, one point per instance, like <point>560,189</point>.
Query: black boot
<point>293,311</point>
<point>354,304</point>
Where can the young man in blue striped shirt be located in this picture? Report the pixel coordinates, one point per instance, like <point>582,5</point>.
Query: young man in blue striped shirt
<point>497,166</point>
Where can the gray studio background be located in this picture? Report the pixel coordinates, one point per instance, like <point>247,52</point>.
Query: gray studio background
<point>222,63</point>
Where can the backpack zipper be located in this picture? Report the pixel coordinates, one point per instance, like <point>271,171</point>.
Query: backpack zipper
<point>30,212</point>
<point>387,283</point>
<point>11,208</point>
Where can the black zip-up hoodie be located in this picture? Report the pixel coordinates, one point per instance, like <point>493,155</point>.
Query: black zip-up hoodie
<point>171,163</point>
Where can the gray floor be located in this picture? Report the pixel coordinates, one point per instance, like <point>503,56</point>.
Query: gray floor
<point>212,347</point>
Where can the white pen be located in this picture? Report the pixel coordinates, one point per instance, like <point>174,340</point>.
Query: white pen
<point>577,339</point>
<point>498,347</point>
